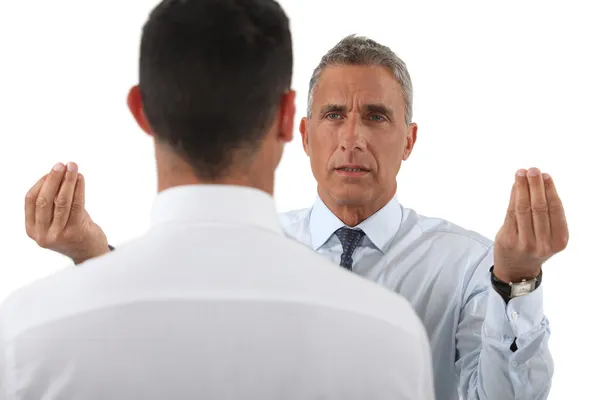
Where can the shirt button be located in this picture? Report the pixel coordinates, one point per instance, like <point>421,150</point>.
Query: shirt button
<point>514,363</point>
<point>515,315</point>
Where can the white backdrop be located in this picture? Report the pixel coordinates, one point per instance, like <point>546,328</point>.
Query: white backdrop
<point>497,87</point>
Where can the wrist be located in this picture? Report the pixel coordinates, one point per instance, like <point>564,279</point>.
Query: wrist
<point>509,288</point>
<point>97,251</point>
<point>515,276</point>
<point>82,258</point>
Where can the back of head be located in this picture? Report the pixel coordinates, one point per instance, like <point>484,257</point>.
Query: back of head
<point>212,73</point>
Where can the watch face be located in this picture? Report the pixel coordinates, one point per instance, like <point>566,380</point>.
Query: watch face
<point>521,289</point>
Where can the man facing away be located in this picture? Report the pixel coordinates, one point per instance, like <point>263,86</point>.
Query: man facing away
<point>213,302</point>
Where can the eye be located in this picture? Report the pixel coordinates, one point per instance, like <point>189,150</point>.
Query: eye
<point>333,116</point>
<point>376,117</point>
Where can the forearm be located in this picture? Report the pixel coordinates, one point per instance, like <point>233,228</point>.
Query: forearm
<point>502,370</point>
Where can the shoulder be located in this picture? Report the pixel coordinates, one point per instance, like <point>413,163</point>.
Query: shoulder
<point>293,217</point>
<point>31,305</point>
<point>295,222</point>
<point>443,235</point>
<point>452,249</point>
<point>63,294</point>
<point>445,229</point>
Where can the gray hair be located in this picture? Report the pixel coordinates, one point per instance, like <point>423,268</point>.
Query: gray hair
<point>360,50</point>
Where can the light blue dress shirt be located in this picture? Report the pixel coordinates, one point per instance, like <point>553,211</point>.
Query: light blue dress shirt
<point>443,270</point>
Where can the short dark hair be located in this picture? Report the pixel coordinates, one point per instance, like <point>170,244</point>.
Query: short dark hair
<point>212,73</point>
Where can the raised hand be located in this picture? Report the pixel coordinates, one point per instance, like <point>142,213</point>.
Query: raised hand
<point>55,215</point>
<point>534,230</point>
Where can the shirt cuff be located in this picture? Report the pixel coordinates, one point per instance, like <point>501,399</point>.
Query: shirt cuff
<point>517,318</point>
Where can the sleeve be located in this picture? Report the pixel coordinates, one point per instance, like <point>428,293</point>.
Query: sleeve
<point>489,365</point>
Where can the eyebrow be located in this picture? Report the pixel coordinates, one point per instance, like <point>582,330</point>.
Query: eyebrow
<point>375,107</point>
<point>380,108</point>
<point>327,108</point>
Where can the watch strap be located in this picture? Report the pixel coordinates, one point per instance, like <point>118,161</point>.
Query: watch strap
<point>511,290</point>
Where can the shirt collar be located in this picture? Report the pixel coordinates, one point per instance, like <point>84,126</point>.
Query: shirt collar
<point>380,227</point>
<point>216,203</point>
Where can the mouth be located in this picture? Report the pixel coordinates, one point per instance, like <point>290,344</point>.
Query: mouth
<point>352,170</point>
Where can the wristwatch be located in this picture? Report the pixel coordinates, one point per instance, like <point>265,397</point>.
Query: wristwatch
<point>511,290</point>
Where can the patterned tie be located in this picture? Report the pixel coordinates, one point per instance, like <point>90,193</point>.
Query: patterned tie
<point>350,238</point>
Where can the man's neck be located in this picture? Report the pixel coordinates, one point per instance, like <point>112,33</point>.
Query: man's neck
<point>168,182</point>
<point>352,215</point>
<point>173,172</point>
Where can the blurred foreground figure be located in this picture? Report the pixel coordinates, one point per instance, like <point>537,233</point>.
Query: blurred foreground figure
<point>214,302</point>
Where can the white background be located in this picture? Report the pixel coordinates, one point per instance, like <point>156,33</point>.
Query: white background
<point>497,87</point>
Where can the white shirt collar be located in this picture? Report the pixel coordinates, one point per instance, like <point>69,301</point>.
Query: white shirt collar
<point>216,203</point>
<point>380,227</point>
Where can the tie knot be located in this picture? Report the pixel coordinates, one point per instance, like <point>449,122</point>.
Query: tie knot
<point>350,238</point>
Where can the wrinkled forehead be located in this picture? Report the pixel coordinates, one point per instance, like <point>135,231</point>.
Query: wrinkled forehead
<point>358,85</point>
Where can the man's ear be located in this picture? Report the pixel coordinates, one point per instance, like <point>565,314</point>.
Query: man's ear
<point>287,112</point>
<point>134,102</point>
<point>304,134</point>
<point>411,139</point>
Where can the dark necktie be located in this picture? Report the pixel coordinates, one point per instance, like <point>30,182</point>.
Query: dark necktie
<point>350,238</point>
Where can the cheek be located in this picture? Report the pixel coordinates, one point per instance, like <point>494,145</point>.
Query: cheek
<point>322,147</point>
<point>388,156</point>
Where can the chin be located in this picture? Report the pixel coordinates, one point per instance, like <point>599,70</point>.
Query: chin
<point>354,196</point>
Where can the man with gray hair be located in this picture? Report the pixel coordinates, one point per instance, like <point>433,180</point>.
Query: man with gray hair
<point>480,300</point>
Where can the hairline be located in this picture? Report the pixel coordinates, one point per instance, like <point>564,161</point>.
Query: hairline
<point>361,51</point>
<point>317,79</point>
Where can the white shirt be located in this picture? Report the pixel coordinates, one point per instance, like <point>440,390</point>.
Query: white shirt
<point>444,271</point>
<point>212,303</point>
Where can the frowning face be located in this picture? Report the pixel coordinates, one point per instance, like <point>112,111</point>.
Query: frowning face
<point>357,137</point>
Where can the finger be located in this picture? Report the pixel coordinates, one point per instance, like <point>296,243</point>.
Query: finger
<point>30,199</point>
<point>78,198</point>
<point>558,221</point>
<point>64,199</point>
<point>539,206</point>
<point>44,204</point>
<point>510,221</point>
<point>523,210</point>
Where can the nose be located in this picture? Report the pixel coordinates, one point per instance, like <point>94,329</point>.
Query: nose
<point>352,135</point>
